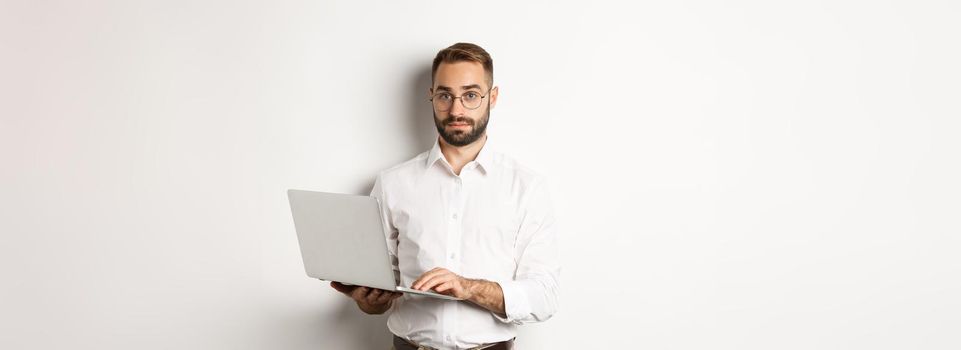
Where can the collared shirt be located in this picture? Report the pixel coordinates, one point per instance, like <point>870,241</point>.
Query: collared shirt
<point>494,221</point>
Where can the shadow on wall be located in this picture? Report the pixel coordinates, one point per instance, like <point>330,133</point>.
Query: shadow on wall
<point>341,327</point>
<point>420,117</point>
<point>419,133</point>
<point>370,331</point>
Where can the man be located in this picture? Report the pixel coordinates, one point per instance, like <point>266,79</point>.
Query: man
<point>465,221</point>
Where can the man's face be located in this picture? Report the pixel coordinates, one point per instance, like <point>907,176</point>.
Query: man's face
<point>460,126</point>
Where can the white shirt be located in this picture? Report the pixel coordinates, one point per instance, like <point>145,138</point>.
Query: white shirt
<point>494,221</point>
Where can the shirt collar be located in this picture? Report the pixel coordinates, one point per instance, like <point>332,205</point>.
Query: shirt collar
<point>485,158</point>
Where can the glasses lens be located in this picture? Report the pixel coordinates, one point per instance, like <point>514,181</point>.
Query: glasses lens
<point>472,100</point>
<point>442,102</point>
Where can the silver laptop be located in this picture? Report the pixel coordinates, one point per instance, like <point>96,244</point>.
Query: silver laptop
<point>343,238</point>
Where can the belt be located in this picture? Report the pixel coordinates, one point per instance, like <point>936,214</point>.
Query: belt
<point>404,344</point>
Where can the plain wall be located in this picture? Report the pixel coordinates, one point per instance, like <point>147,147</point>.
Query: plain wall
<point>728,175</point>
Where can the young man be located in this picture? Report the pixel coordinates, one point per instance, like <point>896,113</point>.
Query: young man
<point>464,220</point>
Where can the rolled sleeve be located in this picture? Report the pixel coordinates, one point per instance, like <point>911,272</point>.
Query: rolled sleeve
<point>532,296</point>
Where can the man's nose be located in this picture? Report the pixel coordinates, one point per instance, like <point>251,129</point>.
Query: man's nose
<point>457,107</point>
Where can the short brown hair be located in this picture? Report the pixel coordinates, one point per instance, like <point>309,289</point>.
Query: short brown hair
<point>461,52</point>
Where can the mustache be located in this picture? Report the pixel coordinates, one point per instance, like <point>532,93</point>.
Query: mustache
<point>451,120</point>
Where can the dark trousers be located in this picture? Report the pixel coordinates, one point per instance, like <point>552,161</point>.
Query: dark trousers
<point>403,344</point>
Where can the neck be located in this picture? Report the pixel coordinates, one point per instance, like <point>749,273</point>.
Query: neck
<point>457,157</point>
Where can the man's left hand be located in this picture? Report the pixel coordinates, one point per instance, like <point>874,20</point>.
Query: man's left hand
<point>443,281</point>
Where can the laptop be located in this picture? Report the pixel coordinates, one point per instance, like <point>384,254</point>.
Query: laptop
<point>344,239</point>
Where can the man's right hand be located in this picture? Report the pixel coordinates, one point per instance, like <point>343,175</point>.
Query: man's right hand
<point>369,300</point>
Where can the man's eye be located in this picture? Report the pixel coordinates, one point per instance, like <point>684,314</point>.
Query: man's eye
<point>471,95</point>
<point>444,97</point>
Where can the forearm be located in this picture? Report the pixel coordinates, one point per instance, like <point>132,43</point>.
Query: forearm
<point>488,295</point>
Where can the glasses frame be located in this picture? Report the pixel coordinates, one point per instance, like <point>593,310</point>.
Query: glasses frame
<point>455,97</point>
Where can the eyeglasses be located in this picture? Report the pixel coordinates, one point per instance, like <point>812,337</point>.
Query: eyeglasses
<point>443,101</point>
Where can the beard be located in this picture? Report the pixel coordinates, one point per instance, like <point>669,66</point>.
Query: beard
<point>460,138</point>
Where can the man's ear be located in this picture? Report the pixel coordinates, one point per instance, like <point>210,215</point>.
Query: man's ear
<point>494,93</point>
<point>430,92</point>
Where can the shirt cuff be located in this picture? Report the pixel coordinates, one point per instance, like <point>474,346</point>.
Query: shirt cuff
<point>515,302</point>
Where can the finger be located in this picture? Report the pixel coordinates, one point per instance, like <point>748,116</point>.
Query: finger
<point>340,287</point>
<point>359,293</point>
<point>385,297</point>
<point>427,275</point>
<point>434,281</point>
<point>443,287</point>
<point>373,295</point>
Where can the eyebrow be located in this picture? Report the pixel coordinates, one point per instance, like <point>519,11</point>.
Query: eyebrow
<point>465,87</point>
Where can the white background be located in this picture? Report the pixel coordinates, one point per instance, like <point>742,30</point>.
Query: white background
<point>729,175</point>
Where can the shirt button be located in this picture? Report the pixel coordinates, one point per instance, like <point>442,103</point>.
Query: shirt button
<point>454,216</point>
<point>447,337</point>
<point>453,255</point>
